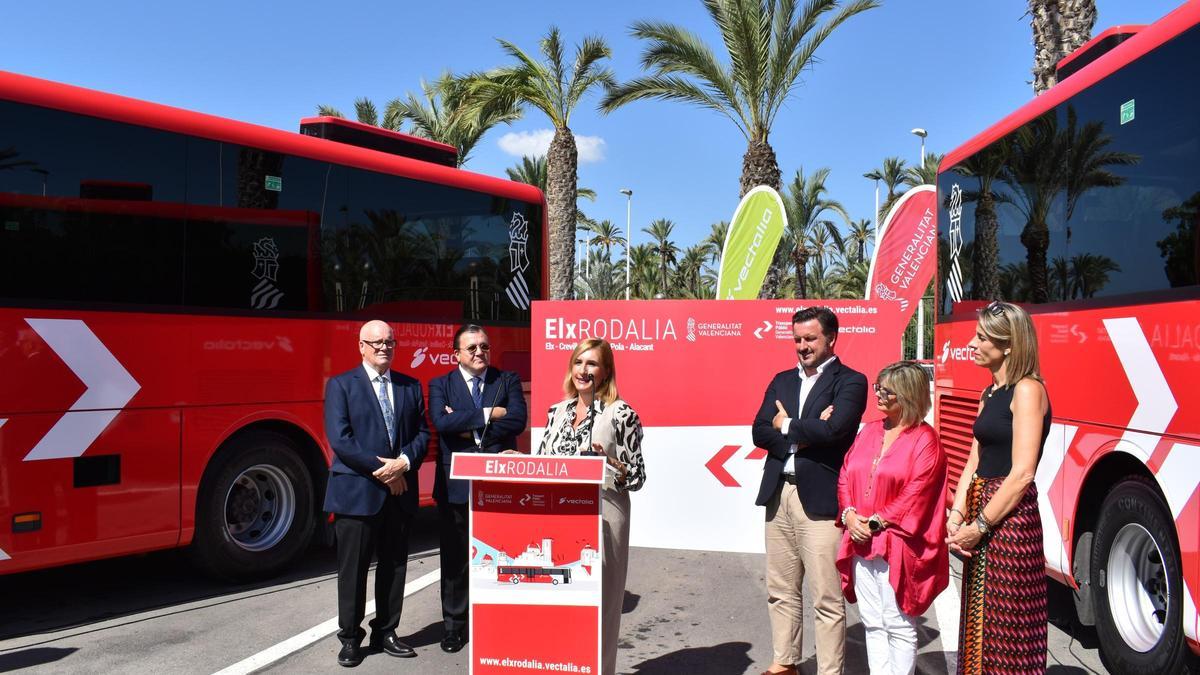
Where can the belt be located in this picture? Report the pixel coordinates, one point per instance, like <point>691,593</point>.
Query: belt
<point>788,478</point>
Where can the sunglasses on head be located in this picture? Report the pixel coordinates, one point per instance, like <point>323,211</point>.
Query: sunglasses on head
<point>995,308</point>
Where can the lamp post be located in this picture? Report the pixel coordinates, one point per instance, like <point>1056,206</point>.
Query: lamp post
<point>922,133</point>
<point>875,176</point>
<point>628,235</point>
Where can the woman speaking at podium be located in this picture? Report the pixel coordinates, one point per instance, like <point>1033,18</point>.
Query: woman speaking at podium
<point>594,420</point>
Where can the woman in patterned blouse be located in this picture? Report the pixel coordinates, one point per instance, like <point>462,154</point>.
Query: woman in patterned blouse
<point>592,410</point>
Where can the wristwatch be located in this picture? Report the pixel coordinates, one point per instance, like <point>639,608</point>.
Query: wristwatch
<point>982,524</point>
<point>875,523</point>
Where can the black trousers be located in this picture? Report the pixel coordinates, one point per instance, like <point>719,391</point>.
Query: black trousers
<point>385,536</point>
<point>454,583</point>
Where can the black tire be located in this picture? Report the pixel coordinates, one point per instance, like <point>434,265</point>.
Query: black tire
<point>1135,556</point>
<point>254,513</point>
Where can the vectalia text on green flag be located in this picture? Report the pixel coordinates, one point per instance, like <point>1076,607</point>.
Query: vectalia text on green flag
<point>754,233</point>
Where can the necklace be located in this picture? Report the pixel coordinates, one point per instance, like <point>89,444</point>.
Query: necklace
<point>875,463</point>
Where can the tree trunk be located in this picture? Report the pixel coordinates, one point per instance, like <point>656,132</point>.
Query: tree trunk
<point>985,277</point>
<point>800,256</point>
<point>562,160</point>
<point>1036,239</point>
<point>760,167</point>
<point>1059,28</point>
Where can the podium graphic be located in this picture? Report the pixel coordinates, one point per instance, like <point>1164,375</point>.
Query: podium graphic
<point>534,575</point>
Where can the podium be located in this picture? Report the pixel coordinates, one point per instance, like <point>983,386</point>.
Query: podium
<point>534,551</point>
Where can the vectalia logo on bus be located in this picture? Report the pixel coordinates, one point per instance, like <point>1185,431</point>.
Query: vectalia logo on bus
<point>956,353</point>
<point>422,354</point>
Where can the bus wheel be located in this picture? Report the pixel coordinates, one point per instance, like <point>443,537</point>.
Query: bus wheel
<point>254,513</point>
<point>1137,583</point>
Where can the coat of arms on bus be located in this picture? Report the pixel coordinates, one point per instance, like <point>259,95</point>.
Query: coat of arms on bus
<point>518,258</point>
<point>266,267</point>
<point>954,287</point>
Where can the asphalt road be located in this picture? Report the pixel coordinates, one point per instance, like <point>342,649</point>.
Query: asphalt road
<point>685,612</point>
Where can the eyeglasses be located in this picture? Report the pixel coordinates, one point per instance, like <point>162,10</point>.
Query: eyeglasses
<point>380,344</point>
<point>471,349</point>
<point>995,308</point>
<point>882,391</point>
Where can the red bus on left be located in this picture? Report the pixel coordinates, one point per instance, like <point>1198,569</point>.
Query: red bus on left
<point>175,290</point>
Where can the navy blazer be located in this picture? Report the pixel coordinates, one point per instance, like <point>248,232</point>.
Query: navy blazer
<point>455,430</point>
<point>358,435</point>
<point>817,465</point>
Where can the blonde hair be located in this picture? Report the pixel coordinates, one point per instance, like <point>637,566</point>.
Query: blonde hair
<point>606,390</point>
<point>1010,328</point>
<point>910,383</point>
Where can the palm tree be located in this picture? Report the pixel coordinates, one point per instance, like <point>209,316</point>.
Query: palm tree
<point>688,273</point>
<point>606,235</point>
<point>985,165</point>
<point>768,44</point>
<point>806,203</point>
<point>1088,160</point>
<point>714,243</point>
<point>1059,28</point>
<point>364,110</point>
<point>664,249</point>
<point>439,115</point>
<point>644,271</point>
<point>553,88</point>
<point>1089,273</point>
<point>532,171</point>
<point>1035,173</point>
<point>926,174</point>
<point>861,235</point>
<point>892,174</point>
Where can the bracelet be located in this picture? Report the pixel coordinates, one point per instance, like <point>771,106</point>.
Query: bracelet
<point>846,511</point>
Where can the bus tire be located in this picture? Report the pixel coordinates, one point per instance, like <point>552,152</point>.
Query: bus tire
<point>254,513</point>
<point>1137,582</point>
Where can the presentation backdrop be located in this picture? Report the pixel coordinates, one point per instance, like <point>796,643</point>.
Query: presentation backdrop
<point>696,372</point>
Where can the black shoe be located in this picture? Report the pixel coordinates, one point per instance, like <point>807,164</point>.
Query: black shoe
<point>453,641</point>
<point>350,656</point>
<point>392,646</point>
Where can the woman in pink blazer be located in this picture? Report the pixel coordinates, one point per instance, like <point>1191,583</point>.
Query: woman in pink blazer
<point>892,491</point>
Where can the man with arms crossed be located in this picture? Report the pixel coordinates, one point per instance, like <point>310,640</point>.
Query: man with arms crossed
<point>799,489</point>
<point>475,408</point>
<point>375,423</point>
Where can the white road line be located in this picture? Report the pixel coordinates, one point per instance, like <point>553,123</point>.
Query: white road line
<point>295,644</point>
<point>945,612</point>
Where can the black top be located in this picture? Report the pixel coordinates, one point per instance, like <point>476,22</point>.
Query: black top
<point>994,431</point>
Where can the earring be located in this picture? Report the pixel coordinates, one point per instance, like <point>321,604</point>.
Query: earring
<point>1007,352</point>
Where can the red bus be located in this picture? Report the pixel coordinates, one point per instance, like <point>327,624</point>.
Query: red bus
<point>175,290</point>
<point>533,575</point>
<point>1082,207</point>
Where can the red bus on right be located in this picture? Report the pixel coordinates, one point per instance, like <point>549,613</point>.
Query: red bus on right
<point>1082,206</point>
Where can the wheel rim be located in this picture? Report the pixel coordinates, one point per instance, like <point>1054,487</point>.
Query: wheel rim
<point>1138,590</point>
<point>260,507</point>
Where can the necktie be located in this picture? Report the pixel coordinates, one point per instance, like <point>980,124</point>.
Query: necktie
<point>477,391</point>
<point>385,402</point>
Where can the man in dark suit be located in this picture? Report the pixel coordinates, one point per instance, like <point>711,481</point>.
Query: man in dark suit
<point>475,408</point>
<point>805,449</point>
<point>375,423</point>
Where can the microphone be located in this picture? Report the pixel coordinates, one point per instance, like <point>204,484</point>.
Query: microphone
<point>591,412</point>
<point>488,423</point>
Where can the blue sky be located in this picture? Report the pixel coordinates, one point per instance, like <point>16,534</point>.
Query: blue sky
<point>951,66</point>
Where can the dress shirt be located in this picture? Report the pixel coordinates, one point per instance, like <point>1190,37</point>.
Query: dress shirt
<point>487,412</point>
<point>373,377</point>
<point>806,384</point>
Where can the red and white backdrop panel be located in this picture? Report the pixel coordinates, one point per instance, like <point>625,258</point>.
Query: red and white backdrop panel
<point>696,371</point>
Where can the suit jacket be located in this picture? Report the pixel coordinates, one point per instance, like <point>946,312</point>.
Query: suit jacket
<point>824,443</point>
<point>357,434</point>
<point>455,430</point>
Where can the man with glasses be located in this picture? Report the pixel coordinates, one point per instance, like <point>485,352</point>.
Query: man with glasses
<point>807,422</point>
<point>375,423</point>
<point>475,408</point>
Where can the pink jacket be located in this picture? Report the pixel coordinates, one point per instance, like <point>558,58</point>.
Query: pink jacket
<point>909,493</point>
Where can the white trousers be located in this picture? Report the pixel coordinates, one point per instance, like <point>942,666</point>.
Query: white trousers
<point>891,635</point>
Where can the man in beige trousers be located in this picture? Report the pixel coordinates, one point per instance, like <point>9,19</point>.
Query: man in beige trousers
<point>799,489</point>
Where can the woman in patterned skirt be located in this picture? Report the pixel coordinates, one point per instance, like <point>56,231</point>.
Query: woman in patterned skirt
<point>994,523</point>
<point>592,412</point>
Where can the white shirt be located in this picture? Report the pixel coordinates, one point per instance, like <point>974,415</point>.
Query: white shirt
<point>467,377</point>
<point>374,376</point>
<point>807,382</point>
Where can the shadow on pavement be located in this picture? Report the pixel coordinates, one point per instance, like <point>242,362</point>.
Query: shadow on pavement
<point>730,657</point>
<point>75,596</point>
<point>36,656</point>
<point>429,635</point>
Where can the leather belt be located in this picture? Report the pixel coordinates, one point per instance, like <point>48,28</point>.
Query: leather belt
<point>788,478</point>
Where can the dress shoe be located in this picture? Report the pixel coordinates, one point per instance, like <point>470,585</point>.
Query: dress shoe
<point>453,641</point>
<point>392,646</point>
<point>350,656</point>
